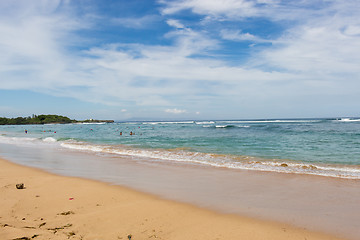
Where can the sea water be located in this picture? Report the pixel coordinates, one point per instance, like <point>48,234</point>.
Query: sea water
<point>326,147</point>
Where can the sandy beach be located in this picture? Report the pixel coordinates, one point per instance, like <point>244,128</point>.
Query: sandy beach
<point>57,207</point>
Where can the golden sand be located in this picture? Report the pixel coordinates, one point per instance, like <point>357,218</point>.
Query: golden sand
<point>57,207</point>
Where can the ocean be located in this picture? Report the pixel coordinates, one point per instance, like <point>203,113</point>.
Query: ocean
<point>304,172</point>
<point>326,147</point>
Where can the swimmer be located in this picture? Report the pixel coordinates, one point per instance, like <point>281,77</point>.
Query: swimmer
<point>25,131</point>
<point>120,133</point>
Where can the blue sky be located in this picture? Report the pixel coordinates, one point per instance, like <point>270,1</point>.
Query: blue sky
<point>180,59</point>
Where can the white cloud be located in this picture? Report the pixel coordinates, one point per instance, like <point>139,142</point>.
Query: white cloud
<point>318,55</point>
<point>274,10</point>
<point>237,35</point>
<point>137,23</point>
<point>317,48</point>
<point>352,30</point>
<point>175,23</point>
<point>175,111</point>
<point>241,8</point>
<point>33,45</point>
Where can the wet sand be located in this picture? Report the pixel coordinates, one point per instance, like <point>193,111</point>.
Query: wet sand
<point>57,207</point>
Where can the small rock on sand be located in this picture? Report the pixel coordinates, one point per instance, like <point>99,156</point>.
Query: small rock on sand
<point>20,186</point>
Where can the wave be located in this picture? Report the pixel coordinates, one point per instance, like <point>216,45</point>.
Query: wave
<point>225,126</point>
<point>204,123</point>
<point>348,120</point>
<point>187,157</point>
<point>275,121</point>
<point>49,139</point>
<point>155,123</point>
<point>222,161</point>
<point>17,140</point>
<point>25,140</point>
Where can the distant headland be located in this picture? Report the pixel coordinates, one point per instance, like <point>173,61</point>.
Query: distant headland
<point>46,119</point>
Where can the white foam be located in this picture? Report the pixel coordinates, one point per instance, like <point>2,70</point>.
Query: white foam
<point>79,146</point>
<point>155,123</point>
<point>272,121</point>
<point>203,123</point>
<point>223,161</point>
<point>348,120</point>
<point>49,139</point>
<point>29,141</point>
<point>16,140</point>
<point>225,126</point>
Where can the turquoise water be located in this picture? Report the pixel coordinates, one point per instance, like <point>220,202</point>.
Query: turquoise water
<point>327,147</point>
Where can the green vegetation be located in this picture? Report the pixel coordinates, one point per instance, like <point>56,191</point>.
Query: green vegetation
<point>40,119</point>
<point>45,119</point>
<point>96,121</point>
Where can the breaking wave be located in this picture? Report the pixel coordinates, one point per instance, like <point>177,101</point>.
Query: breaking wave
<point>348,120</point>
<point>221,160</point>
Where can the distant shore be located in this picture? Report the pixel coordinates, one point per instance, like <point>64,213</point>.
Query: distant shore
<point>46,119</point>
<point>95,121</point>
<point>57,207</point>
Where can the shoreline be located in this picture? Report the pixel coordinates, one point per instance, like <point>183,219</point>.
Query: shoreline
<point>181,156</point>
<point>58,207</point>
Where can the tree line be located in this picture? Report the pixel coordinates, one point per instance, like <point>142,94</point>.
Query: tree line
<point>40,119</point>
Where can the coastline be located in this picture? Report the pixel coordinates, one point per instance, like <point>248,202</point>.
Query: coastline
<point>58,207</point>
<point>46,119</point>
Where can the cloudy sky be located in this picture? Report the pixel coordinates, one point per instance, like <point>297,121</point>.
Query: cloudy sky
<point>180,59</point>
